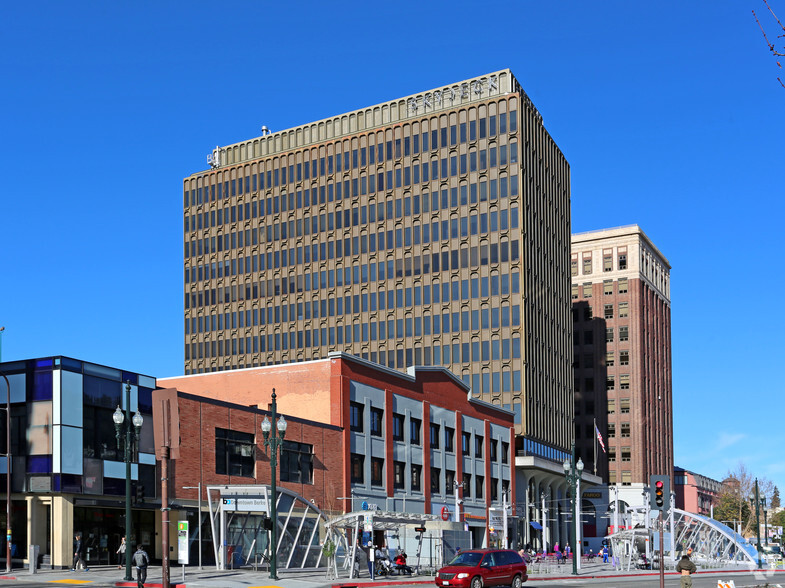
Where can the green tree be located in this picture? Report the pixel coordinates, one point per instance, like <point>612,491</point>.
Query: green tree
<point>728,508</point>
<point>778,519</point>
<point>736,501</point>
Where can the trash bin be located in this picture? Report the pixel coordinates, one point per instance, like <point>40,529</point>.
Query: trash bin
<point>32,555</point>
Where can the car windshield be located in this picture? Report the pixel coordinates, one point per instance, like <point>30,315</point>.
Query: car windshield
<point>467,558</point>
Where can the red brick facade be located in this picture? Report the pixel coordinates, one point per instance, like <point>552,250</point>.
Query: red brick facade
<point>322,390</point>
<point>199,418</point>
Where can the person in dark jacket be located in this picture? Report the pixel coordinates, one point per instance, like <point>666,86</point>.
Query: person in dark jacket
<point>686,568</point>
<point>141,561</point>
<point>78,551</point>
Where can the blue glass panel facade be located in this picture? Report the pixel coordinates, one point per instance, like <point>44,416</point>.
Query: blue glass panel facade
<point>39,464</point>
<point>102,392</point>
<point>41,386</point>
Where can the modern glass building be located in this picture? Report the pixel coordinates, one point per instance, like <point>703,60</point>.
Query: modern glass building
<point>433,229</point>
<point>67,474</point>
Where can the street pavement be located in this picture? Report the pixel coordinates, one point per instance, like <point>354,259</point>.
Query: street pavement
<point>109,576</point>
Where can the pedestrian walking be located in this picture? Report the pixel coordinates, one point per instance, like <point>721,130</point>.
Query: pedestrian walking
<point>605,554</point>
<point>141,561</point>
<point>121,554</point>
<point>78,551</point>
<point>686,568</point>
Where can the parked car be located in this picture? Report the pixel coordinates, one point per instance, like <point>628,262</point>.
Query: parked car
<point>772,553</point>
<point>475,568</point>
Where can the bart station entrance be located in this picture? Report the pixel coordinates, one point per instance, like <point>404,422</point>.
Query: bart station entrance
<point>426,539</point>
<point>241,524</point>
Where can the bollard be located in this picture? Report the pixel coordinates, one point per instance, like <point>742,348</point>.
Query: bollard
<point>32,556</point>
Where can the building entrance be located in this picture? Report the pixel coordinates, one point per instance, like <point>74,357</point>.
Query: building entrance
<point>103,528</point>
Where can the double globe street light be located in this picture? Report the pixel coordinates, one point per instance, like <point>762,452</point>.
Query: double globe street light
<point>573,472</point>
<point>124,424</point>
<point>274,442</point>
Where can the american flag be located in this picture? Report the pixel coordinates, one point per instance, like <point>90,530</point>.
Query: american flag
<point>599,438</point>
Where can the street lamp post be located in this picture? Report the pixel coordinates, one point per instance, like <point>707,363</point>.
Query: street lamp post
<point>573,472</point>
<point>274,442</point>
<point>757,500</point>
<point>124,425</point>
<point>7,473</point>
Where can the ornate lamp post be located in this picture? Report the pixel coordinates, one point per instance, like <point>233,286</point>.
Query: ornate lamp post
<point>123,424</point>
<point>274,442</point>
<point>756,499</point>
<point>573,472</point>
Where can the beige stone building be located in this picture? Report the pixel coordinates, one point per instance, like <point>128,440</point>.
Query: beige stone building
<point>428,230</point>
<point>432,229</point>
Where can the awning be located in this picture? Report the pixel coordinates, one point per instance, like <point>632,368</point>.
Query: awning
<point>536,525</point>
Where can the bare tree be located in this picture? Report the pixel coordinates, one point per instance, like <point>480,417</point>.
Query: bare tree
<point>777,51</point>
<point>738,488</point>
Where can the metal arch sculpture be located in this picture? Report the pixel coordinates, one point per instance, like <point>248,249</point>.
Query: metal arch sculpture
<point>301,523</point>
<point>710,540</point>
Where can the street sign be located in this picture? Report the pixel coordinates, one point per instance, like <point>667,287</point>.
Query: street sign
<point>182,542</point>
<point>496,517</point>
<point>256,504</point>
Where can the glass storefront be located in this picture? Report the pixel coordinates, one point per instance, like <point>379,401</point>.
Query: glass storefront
<point>103,529</point>
<point>18,530</point>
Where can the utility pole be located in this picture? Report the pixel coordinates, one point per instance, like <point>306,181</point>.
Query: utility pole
<point>662,546</point>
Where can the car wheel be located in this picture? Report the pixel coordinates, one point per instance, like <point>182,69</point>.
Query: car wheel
<point>516,582</point>
<point>476,582</point>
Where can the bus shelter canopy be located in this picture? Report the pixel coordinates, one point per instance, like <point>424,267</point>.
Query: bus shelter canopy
<point>382,520</point>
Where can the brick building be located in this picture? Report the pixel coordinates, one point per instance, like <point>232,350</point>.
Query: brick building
<point>694,492</point>
<point>406,441</point>
<point>622,355</point>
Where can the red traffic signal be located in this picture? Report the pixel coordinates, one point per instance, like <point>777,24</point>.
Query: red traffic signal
<point>660,495</point>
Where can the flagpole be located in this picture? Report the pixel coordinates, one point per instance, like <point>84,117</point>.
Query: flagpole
<point>595,446</point>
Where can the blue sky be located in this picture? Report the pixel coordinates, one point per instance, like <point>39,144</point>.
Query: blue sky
<point>669,113</point>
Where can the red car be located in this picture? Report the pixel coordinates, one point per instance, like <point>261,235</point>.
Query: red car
<point>475,568</point>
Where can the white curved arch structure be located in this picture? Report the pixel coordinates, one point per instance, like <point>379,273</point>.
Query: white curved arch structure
<point>237,516</point>
<point>711,541</point>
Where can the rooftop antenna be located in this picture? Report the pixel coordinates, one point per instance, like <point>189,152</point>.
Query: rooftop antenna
<point>214,159</point>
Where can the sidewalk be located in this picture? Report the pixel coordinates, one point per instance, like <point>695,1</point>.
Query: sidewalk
<point>110,576</point>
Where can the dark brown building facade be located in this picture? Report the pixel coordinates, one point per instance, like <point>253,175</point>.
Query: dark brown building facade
<point>622,354</point>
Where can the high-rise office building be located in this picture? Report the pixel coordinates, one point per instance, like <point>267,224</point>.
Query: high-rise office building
<point>622,349</point>
<point>429,230</point>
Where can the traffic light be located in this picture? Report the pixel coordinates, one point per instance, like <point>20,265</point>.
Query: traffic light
<point>660,489</point>
<point>139,493</point>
